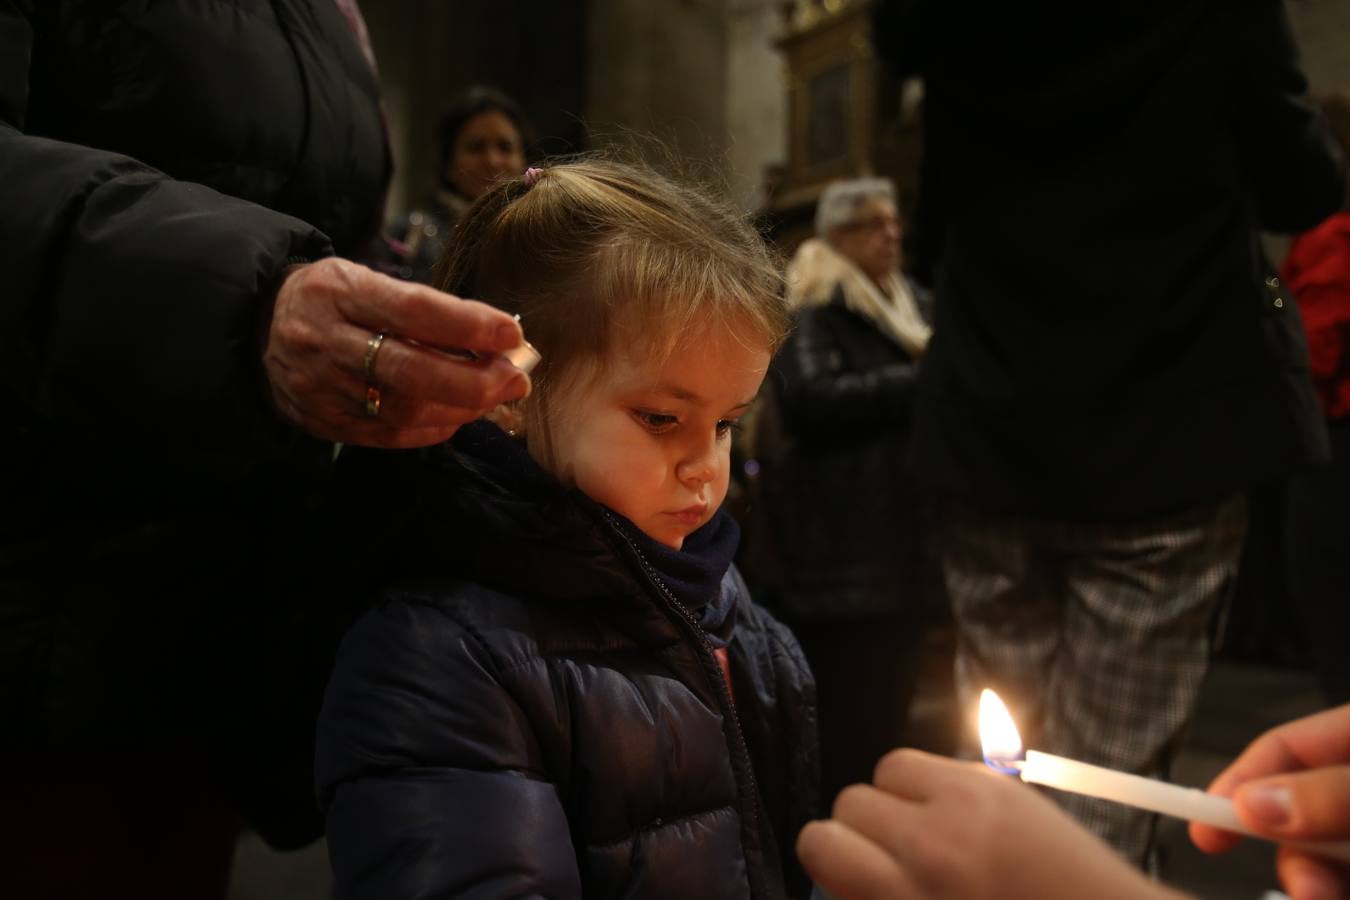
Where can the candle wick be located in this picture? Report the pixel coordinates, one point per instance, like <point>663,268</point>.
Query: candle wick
<point>1006,766</point>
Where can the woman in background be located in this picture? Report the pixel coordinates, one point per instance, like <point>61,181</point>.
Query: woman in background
<point>482,137</point>
<point>837,518</point>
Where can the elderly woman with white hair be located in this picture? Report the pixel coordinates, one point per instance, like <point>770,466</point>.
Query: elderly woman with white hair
<point>855,259</point>
<point>838,521</point>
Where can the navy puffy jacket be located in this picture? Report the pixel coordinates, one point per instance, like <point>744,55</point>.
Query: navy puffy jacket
<point>550,721</point>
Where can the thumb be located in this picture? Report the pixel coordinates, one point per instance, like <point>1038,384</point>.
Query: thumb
<point>1311,805</point>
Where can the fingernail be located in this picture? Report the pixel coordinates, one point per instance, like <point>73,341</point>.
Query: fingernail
<point>518,387</point>
<point>1268,804</point>
<point>508,334</point>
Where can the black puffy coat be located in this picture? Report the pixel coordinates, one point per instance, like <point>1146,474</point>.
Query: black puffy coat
<point>160,164</point>
<point>539,716</point>
<point>836,514</point>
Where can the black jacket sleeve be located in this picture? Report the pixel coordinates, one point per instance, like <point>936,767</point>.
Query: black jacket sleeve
<point>137,300</point>
<point>1289,157</point>
<point>430,775</point>
<point>824,393</point>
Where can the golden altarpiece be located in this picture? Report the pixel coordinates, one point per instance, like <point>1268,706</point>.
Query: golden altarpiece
<point>846,116</point>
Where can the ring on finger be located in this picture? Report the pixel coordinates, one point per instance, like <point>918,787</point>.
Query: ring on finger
<point>372,401</point>
<point>373,350</point>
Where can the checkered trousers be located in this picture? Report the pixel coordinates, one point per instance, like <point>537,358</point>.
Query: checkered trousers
<point>1097,636</point>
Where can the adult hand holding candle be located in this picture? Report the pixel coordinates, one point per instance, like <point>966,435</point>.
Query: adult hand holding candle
<point>1003,751</point>
<point>932,828</point>
<point>1293,783</point>
<point>938,829</point>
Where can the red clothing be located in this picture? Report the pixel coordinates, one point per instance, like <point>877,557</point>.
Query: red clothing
<point>1317,271</point>
<point>725,662</point>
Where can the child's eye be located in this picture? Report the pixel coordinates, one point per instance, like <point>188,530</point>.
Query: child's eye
<point>656,423</point>
<point>727,426</point>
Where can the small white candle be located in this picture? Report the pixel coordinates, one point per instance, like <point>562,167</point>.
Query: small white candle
<point>1003,746</point>
<point>1133,790</point>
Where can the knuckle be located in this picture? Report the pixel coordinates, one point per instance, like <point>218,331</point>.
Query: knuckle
<point>322,272</point>
<point>480,394</point>
<point>333,265</point>
<point>893,764</point>
<point>288,330</point>
<point>296,334</point>
<point>337,276</point>
<point>850,800</point>
<point>416,302</point>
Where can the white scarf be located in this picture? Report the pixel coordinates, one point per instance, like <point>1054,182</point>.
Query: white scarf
<point>817,268</point>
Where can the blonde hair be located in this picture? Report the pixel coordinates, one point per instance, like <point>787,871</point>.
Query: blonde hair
<point>600,254</point>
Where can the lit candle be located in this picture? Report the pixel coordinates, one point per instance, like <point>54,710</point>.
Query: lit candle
<point>1003,751</point>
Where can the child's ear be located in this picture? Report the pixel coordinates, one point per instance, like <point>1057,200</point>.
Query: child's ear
<point>508,418</point>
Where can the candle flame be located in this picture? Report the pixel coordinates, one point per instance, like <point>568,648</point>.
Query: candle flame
<point>998,734</point>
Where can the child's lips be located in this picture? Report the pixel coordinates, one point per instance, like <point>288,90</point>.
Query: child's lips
<point>690,515</point>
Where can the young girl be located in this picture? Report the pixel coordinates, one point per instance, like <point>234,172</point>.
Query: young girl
<point>570,693</point>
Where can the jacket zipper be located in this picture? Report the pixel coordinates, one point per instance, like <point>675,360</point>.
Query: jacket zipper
<point>710,667</point>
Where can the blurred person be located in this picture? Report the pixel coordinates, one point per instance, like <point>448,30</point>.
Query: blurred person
<point>836,516</point>
<point>1112,366</point>
<point>1317,521</point>
<point>935,828</point>
<point>567,690</point>
<point>482,138</point>
<point>183,347</point>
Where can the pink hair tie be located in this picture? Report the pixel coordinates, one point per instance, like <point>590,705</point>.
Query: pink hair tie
<point>532,176</point>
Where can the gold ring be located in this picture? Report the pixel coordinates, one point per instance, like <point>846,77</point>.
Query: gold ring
<point>372,350</point>
<point>372,401</point>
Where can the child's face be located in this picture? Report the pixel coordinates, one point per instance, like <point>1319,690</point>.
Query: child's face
<point>653,441</point>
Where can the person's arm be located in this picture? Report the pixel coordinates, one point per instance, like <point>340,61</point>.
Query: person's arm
<point>139,306</point>
<point>823,398</point>
<point>1294,166</point>
<point>938,829</point>
<point>1293,784</point>
<point>131,303</point>
<point>430,777</point>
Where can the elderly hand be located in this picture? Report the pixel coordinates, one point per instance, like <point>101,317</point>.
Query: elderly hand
<point>937,828</point>
<point>324,318</point>
<point>1292,784</point>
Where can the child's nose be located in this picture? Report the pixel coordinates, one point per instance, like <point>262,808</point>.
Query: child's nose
<point>700,467</point>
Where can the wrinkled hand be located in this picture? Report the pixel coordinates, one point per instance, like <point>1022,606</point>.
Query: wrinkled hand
<point>936,828</point>
<point>314,357</point>
<point>1293,784</point>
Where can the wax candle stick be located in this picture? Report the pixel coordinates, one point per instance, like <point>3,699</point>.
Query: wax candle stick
<point>1186,803</point>
<point>1003,751</point>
